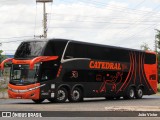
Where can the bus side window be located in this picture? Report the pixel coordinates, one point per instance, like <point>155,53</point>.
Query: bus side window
<point>150,58</point>
<point>76,50</point>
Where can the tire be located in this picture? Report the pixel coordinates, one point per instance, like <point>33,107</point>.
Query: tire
<point>61,95</point>
<point>76,95</point>
<point>52,100</point>
<point>38,101</point>
<point>130,94</point>
<point>139,93</point>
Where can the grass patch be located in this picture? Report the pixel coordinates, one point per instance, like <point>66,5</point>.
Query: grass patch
<point>158,87</point>
<point>3,89</point>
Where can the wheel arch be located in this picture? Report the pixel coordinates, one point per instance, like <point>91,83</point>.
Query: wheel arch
<point>131,86</point>
<point>66,86</point>
<point>78,86</point>
<point>140,86</point>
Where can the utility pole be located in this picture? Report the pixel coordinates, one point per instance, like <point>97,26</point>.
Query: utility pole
<point>44,18</point>
<point>44,21</point>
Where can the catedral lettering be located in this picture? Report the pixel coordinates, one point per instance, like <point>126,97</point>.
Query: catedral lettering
<point>59,69</point>
<point>104,65</point>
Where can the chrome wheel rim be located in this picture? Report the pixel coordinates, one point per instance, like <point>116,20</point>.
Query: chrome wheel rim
<point>132,93</point>
<point>75,95</point>
<point>140,93</point>
<point>61,95</point>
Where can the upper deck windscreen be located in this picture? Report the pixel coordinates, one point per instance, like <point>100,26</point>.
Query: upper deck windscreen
<point>29,49</point>
<point>54,48</point>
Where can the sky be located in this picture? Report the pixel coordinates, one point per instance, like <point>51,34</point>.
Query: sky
<point>124,23</point>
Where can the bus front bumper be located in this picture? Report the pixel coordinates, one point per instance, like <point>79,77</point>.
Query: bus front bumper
<point>24,92</point>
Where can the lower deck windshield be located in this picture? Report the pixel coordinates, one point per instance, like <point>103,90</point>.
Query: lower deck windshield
<point>22,75</point>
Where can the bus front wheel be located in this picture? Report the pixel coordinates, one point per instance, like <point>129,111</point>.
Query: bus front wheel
<point>61,95</point>
<point>76,95</point>
<point>38,101</point>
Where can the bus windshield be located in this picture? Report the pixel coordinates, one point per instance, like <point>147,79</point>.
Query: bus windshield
<point>22,75</point>
<point>30,49</point>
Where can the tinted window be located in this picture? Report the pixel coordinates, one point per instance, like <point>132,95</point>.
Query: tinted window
<point>54,48</point>
<point>150,58</point>
<point>75,50</point>
<point>29,49</point>
<point>48,71</point>
<point>97,52</point>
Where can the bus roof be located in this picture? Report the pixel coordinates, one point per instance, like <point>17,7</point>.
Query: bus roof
<point>82,42</point>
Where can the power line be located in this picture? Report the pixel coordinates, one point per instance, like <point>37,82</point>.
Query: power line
<point>147,17</point>
<point>50,16</point>
<point>12,41</point>
<point>132,36</point>
<point>95,17</point>
<point>134,22</point>
<point>118,21</point>
<point>16,37</point>
<point>122,9</point>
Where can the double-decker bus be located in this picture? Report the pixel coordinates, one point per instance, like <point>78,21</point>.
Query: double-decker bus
<point>60,69</point>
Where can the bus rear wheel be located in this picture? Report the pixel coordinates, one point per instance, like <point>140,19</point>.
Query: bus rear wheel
<point>76,95</point>
<point>139,93</point>
<point>61,95</point>
<point>130,93</point>
<point>38,101</point>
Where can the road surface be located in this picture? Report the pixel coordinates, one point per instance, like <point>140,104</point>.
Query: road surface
<point>148,103</point>
<point>95,104</point>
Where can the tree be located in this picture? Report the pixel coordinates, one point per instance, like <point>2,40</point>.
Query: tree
<point>2,57</point>
<point>1,51</point>
<point>158,38</point>
<point>145,46</point>
<point>1,60</point>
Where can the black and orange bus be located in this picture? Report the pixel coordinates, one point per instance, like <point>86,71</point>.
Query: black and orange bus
<point>60,69</point>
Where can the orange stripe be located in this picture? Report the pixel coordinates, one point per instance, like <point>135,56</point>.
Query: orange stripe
<point>142,60</point>
<point>139,67</point>
<point>128,73</point>
<point>135,68</point>
<point>131,72</point>
<point>21,61</point>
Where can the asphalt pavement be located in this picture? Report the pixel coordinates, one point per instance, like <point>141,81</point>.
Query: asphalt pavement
<point>150,104</point>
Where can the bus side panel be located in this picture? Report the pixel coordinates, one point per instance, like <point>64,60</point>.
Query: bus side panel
<point>78,73</point>
<point>150,71</point>
<point>96,82</point>
<point>151,75</point>
<point>141,74</point>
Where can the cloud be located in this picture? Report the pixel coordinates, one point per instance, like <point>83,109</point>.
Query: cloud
<point>15,2</point>
<point>121,25</point>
